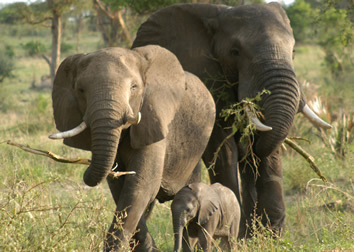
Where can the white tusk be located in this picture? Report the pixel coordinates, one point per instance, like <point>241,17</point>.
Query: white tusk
<point>317,121</point>
<point>259,125</point>
<point>69,133</point>
<point>135,119</point>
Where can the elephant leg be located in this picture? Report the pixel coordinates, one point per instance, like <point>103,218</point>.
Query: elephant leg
<point>135,194</point>
<point>204,241</point>
<point>188,242</point>
<point>112,241</point>
<point>249,199</point>
<point>225,170</point>
<point>271,205</point>
<point>225,243</point>
<point>143,238</point>
<point>128,219</point>
<point>207,231</point>
<point>115,185</point>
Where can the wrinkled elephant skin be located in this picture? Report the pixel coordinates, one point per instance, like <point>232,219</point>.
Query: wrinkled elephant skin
<point>251,47</point>
<point>137,108</point>
<point>204,213</point>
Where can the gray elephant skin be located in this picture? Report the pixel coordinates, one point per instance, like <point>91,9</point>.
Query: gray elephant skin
<point>252,47</point>
<point>205,212</point>
<point>107,91</point>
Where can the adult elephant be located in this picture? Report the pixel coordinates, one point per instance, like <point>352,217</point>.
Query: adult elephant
<point>251,46</point>
<point>137,108</point>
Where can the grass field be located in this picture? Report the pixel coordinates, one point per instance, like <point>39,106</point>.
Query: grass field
<point>45,206</point>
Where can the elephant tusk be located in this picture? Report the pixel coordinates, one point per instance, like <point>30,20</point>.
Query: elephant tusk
<point>69,133</point>
<point>316,120</point>
<point>259,125</point>
<point>134,119</point>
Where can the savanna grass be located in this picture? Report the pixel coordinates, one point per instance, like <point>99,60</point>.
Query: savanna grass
<point>45,206</point>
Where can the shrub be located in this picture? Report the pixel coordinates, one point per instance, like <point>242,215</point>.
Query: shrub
<point>34,48</point>
<point>65,47</point>
<point>7,63</point>
<point>336,38</point>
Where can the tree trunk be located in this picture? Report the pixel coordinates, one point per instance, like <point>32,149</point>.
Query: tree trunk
<point>78,31</point>
<point>56,37</point>
<point>112,25</point>
<point>124,27</point>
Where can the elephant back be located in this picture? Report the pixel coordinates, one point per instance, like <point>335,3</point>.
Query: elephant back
<point>166,26</point>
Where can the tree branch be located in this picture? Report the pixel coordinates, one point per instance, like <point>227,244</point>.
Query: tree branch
<point>102,8</point>
<point>46,59</point>
<point>60,159</point>
<point>310,159</point>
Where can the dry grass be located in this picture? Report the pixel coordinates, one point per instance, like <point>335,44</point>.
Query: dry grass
<point>45,206</point>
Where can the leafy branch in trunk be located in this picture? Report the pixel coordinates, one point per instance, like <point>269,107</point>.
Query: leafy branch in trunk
<point>243,125</point>
<point>246,128</point>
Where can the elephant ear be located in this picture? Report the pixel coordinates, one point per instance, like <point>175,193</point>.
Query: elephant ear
<point>165,88</point>
<point>276,6</point>
<point>208,200</point>
<point>67,114</point>
<point>185,30</point>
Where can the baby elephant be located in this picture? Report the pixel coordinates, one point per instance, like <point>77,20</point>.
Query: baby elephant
<point>204,212</point>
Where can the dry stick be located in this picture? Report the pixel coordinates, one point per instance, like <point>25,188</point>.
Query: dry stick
<point>216,154</point>
<point>60,159</point>
<point>310,159</point>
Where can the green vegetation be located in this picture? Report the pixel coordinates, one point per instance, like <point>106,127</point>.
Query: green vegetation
<point>6,62</point>
<point>34,48</point>
<point>45,206</point>
<point>328,24</point>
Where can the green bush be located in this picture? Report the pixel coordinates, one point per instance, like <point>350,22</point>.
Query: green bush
<point>7,63</point>
<point>34,48</point>
<point>65,47</point>
<point>336,38</point>
<point>301,17</point>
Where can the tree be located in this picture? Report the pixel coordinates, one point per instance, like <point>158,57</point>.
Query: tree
<point>302,18</point>
<point>336,36</point>
<point>48,14</point>
<point>111,22</point>
<point>81,10</point>
<point>112,17</point>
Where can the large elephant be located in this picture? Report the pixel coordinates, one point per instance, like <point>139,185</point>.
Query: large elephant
<point>252,47</point>
<point>139,109</point>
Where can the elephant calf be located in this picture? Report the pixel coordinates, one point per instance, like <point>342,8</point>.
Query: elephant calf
<point>204,212</point>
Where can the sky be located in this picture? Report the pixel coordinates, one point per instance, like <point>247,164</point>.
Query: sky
<point>287,2</point>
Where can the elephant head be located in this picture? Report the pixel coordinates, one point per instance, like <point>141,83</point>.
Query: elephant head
<point>113,89</point>
<point>251,46</point>
<point>196,200</point>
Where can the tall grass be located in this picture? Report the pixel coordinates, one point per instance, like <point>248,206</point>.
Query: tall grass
<point>45,206</point>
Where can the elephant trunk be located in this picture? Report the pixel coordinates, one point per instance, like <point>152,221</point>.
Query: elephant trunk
<point>280,108</point>
<point>105,124</point>
<point>178,225</point>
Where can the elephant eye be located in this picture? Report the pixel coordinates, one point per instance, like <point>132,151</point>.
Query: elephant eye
<point>81,90</point>
<point>294,51</point>
<point>234,52</point>
<point>133,86</point>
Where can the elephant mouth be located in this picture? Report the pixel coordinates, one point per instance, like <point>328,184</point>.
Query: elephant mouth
<point>101,164</point>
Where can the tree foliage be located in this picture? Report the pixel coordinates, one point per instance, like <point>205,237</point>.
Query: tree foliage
<point>335,27</point>
<point>329,24</point>
<point>301,17</point>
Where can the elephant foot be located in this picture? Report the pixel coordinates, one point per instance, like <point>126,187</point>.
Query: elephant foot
<point>143,243</point>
